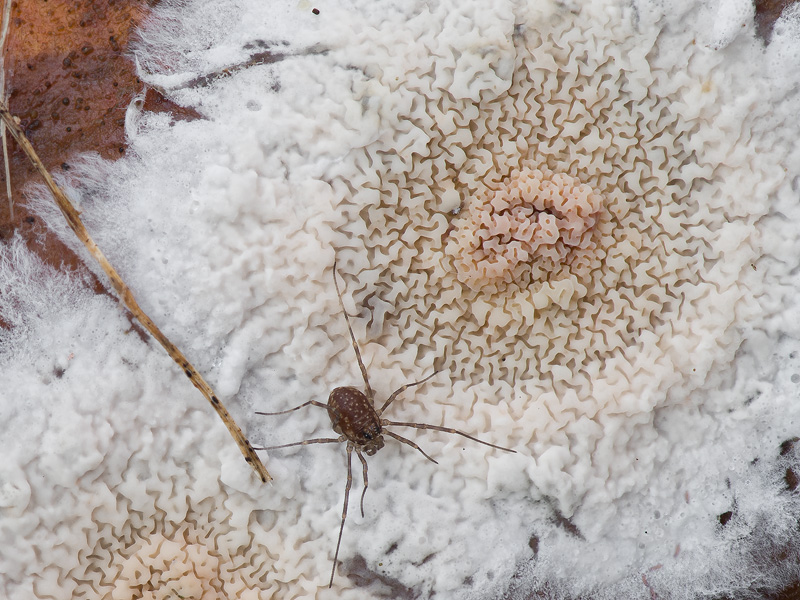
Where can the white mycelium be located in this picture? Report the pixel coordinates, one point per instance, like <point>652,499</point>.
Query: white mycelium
<point>582,214</point>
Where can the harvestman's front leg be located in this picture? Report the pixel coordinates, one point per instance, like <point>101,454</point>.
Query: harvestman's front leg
<point>370,393</point>
<point>407,442</point>
<point>402,389</point>
<point>384,422</point>
<point>344,508</point>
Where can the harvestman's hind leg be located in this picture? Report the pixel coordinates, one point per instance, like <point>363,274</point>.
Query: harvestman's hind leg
<point>303,405</point>
<point>445,429</point>
<point>366,481</point>
<point>304,443</point>
<point>408,442</point>
<point>344,508</point>
<point>402,389</point>
<point>370,393</point>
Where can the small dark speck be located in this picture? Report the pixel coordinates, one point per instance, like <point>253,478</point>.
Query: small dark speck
<point>315,11</point>
<point>58,372</point>
<point>30,220</point>
<point>65,101</point>
<point>65,166</point>
<point>248,459</point>
<point>214,399</point>
<point>122,150</point>
<point>69,128</point>
<point>188,373</point>
<point>725,517</point>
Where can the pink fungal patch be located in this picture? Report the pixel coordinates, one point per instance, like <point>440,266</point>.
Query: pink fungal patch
<point>530,226</point>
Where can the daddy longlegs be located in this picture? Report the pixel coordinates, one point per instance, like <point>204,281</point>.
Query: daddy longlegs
<point>353,416</point>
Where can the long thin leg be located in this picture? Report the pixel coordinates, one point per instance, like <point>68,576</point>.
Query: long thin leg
<point>366,481</point>
<point>303,405</point>
<point>400,438</point>
<point>370,393</point>
<point>402,389</point>
<point>344,509</point>
<point>446,430</point>
<point>305,443</point>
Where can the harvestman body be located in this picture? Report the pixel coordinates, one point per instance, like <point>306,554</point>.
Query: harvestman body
<point>353,416</point>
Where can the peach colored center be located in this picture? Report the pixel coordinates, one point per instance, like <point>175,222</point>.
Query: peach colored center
<point>535,220</point>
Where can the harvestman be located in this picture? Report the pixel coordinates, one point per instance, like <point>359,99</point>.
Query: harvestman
<point>354,417</point>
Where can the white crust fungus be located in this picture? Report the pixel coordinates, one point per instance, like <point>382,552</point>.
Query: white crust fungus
<point>576,308</point>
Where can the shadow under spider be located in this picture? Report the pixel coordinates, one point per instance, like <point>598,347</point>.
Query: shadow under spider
<point>353,416</point>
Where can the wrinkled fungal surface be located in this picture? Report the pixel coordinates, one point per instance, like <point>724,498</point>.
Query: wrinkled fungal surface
<point>582,216</point>
<point>570,320</point>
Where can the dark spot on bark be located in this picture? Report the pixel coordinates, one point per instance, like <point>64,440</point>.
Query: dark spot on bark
<point>214,400</point>
<point>533,544</point>
<point>382,586</point>
<point>788,445</point>
<point>566,524</point>
<point>188,373</point>
<point>792,480</point>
